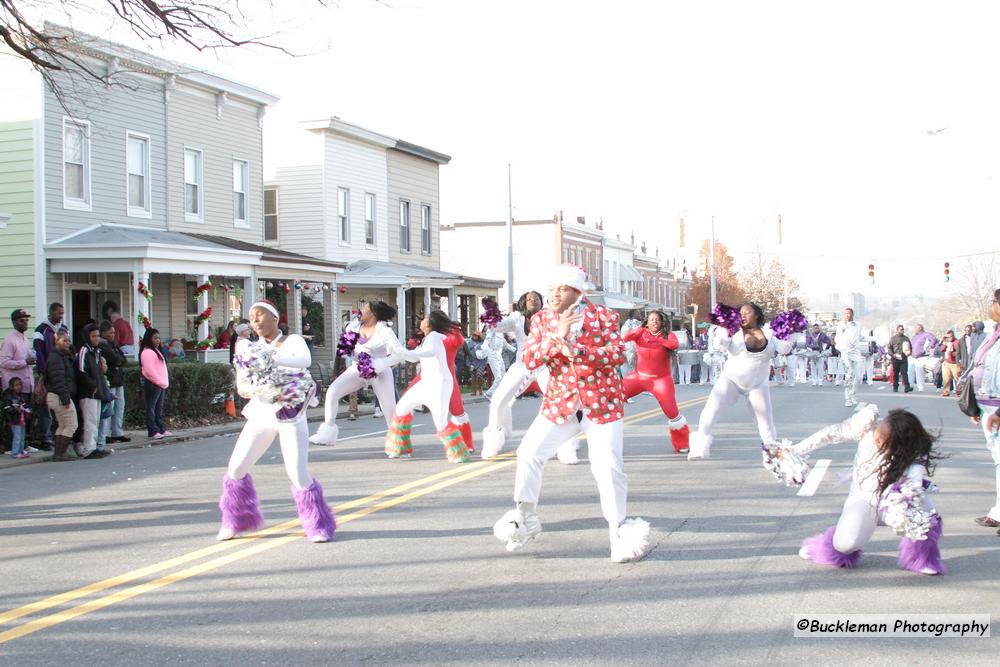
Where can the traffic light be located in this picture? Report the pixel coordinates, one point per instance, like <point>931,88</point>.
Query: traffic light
<point>947,272</point>
<point>871,273</point>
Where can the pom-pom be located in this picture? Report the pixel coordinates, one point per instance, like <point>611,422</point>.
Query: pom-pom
<point>785,464</point>
<point>726,317</point>
<point>903,509</point>
<point>259,376</point>
<point>491,312</point>
<point>365,368</point>
<point>348,340</point>
<point>787,323</point>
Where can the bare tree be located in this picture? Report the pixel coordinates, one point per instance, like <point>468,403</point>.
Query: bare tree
<point>202,25</point>
<point>763,282</point>
<point>974,282</point>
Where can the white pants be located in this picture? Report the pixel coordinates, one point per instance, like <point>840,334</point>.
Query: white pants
<point>835,367</point>
<point>604,444</point>
<point>915,372</point>
<point>684,373</point>
<point>854,367</point>
<point>817,367</point>
<point>256,437</point>
<point>349,382</point>
<point>796,368</point>
<point>856,525</point>
<point>725,393</point>
<point>706,374</point>
<point>870,369</point>
<point>498,368</point>
<point>993,445</point>
<point>432,391</point>
<point>515,380</point>
<point>90,409</point>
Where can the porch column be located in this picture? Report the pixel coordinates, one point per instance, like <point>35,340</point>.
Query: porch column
<point>331,306</point>
<point>452,304</point>
<point>427,300</point>
<point>202,305</point>
<point>141,304</point>
<point>295,312</point>
<point>249,295</point>
<point>401,314</point>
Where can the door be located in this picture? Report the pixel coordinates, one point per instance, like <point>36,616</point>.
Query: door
<point>82,301</point>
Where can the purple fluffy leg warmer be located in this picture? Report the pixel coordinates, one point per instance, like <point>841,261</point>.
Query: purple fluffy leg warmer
<point>924,556</point>
<point>314,513</point>
<point>239,505</point>
<point>819,549</point>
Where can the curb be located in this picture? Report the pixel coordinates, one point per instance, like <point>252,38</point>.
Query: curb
<point>199,433</point>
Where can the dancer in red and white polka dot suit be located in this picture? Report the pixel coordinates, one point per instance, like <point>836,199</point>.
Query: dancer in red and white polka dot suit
<point>579,343</point>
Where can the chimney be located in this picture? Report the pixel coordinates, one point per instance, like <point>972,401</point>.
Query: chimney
<point>558,217</point>
<point>581,220</point>
<point>643,248</point>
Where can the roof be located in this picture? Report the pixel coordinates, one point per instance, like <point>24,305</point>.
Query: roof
<point>268,253</point>
<point>370,272</point>
<point>84,43</point>
<point>126,236</point>
<point>335,124</point>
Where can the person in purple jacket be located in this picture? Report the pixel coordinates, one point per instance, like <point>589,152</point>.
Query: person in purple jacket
<point>44,342</point>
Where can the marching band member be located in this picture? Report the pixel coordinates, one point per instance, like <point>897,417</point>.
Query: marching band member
<point>850,344</point>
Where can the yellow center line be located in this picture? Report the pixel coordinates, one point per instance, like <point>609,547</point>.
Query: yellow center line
<point>250,545</point>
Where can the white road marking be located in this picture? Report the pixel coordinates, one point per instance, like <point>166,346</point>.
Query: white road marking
<point>814,478</point>
<point>365,435</point>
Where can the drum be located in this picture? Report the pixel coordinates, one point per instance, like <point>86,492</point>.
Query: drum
<point>691,357</point>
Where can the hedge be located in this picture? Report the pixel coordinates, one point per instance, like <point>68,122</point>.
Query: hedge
<point>196,391</point>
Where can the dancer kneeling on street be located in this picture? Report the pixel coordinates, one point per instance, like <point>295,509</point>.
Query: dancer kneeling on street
<point>433,389</point>
<point>895,458</point>
<point>653,346</point>
<point>580,345</point>
<point>746,372</point>
<point>273,372</point>
<point>366,344</point>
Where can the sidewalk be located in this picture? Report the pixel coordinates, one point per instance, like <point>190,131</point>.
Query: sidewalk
<point>141,440</point>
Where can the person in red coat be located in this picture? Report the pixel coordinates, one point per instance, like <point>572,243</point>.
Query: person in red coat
<point>654,346</point>
<point>580,344</point>
<point>453,342</point>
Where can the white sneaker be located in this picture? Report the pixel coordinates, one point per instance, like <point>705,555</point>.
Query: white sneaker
<point>377,413</point>
<point>804,554</point>
<point>516,529</point>
<point>632,543</point>
<point>493,442</point>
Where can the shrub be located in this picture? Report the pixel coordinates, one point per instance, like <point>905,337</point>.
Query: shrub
<point>194,392</point>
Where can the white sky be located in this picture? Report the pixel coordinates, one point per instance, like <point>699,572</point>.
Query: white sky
<point>639,112</point>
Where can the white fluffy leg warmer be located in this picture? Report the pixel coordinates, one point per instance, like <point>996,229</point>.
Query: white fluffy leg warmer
<point>325,435</point>
<point>632,542</point>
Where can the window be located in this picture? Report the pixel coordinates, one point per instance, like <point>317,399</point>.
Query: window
<point>404,225</point>
<point>343,214</point>
<point>194,195</point>
<point>425,229</point>
<point>241,189</point>
<point>137,166</point>
<point>76,165</point>
<point>270,214</point>
<point>191,305</point>
<point>369,218</point>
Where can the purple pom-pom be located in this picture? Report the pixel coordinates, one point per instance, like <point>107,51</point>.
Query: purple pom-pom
<point>345,347</point>
<point>725,316</point>
<point>491,312</point>
<point>787,323</point>
<point>365,368</point>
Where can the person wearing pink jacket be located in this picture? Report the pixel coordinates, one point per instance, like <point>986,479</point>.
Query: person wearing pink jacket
<point>155,381</point>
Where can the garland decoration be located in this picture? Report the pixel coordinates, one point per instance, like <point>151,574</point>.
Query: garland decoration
<point>144,291</point>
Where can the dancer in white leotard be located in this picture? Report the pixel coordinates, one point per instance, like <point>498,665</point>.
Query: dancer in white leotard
<point>265,420</point>
<point>375,338</point>
<point>745,373</point>
<point>433,389</point>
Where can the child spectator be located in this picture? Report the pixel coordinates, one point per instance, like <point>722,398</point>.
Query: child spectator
<point>17,412</point>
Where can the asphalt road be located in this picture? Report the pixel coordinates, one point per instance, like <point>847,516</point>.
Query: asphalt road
<point>118,556</point>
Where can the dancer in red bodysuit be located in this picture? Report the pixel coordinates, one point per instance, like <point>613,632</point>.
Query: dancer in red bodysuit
<point>453,342</point>
<point>653,345</point>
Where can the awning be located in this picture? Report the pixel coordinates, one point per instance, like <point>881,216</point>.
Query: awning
<point>629,273</point>
<point>612,300</point>
<point>389,274</point>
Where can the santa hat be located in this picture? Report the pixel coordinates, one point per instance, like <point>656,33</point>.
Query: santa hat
<point>569,275</point>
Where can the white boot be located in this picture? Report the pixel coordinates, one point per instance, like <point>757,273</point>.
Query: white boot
<point>699,446</point>
<point>567,452</point>
<point>632,541</point>
<point>326,434</point>
<point>493,442</point>
<point>517,527</point>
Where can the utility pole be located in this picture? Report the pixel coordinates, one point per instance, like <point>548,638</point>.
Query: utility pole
<point>510,241</point>
<point>784,267</point>
<point>711,264</point>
